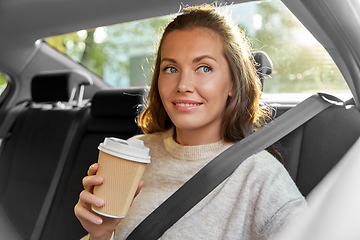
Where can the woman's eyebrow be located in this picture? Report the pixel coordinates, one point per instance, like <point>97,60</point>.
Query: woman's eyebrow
<point>198,59</point>
<point>169,60</point>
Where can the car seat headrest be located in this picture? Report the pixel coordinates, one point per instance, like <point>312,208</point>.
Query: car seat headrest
<point>118,102</point>
<point>53,86</point>
<point>263,66</point>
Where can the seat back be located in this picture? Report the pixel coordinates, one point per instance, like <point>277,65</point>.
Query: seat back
<point>30,156</point>
<point>112,114</point>
<point>313,149</point>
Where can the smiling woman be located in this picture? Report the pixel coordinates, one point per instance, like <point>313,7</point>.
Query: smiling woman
<point>52,50</point>
<point>204,97</point>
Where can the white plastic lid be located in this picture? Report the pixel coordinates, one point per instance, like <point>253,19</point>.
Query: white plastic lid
<point>132,149</point>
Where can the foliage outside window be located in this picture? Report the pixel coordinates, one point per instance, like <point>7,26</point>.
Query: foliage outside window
<point>301,64</point>
<point>3,82</point>
<point>122,54</point>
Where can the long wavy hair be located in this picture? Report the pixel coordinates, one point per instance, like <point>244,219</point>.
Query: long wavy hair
<point>243,114</point>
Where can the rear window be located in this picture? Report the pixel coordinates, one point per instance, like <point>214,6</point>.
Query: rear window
<point>3,82</point>
<point>122,55</point>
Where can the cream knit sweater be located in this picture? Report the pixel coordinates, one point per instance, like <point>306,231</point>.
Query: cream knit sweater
<point>255,202</point>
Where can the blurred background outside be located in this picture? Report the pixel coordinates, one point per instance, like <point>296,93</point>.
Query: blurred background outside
<point>122,55</point>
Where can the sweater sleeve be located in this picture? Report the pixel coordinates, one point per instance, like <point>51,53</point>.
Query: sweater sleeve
<point>291,211</point>
<point>279,201</point>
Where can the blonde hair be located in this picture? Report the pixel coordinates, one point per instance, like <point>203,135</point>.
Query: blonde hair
<point>243,114</point>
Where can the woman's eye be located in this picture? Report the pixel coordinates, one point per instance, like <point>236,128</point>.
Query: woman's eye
<point>205,69</point>
<point>170,70</point>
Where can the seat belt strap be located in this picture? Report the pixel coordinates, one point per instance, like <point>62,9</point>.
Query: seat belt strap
<point>222,166</point>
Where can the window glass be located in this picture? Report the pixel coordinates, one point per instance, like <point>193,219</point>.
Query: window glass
<point>3,82</point>
<point>122,54</point>
<point>301,64</point>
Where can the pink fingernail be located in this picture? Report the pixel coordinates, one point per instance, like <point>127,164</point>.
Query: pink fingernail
<point>99,202</point>
<point>98,221</point>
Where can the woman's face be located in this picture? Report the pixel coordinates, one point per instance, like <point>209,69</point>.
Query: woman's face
<point>194,81</point>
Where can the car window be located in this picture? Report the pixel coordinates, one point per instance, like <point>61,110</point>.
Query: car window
<point>122,54</point>
<point>3,82</point>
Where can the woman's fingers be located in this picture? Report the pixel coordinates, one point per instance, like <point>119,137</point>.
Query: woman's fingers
<point>93,169</point>
<point>139,187</point>
<point>97,226</point>
<point>90,199</point>
<point>84,214</point>
<point>83,208</point>
<point>87,198</point>
<point>90,181</point>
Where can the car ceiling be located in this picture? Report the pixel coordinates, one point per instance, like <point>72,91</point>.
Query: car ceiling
<point>22,22</point>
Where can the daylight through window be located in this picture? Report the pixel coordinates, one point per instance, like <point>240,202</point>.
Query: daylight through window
<point>122,55</point>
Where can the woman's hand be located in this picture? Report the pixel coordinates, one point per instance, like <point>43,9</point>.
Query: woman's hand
<point>99,227</point>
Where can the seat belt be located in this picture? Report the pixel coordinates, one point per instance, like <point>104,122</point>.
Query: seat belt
<point>222,166</point>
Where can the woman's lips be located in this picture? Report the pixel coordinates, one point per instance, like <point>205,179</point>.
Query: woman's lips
<point>186,105</point>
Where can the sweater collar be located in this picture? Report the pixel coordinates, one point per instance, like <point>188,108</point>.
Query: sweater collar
<point>193,153</point>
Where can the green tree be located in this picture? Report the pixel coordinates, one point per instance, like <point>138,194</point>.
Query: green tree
<point>297,67</point>
<point>113,54</point>
<point>3,83</point>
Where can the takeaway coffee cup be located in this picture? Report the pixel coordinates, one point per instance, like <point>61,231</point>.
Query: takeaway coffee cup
<point>122,164</point>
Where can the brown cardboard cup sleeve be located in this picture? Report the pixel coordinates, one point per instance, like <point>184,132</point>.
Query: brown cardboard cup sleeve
<point>122,164</point>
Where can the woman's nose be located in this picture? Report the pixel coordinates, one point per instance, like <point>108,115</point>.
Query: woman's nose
<point>185,83</point>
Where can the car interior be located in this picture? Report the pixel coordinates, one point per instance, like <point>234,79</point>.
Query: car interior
<point>54,112</point>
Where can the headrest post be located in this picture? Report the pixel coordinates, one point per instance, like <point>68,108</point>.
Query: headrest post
<point>72,96</point>
<point>81,95</point>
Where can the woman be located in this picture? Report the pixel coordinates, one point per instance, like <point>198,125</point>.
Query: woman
<point>204,97</point>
